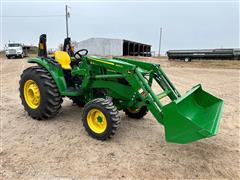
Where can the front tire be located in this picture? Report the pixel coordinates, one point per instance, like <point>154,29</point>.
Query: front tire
<point>39,93</point>
<point>100,118</point>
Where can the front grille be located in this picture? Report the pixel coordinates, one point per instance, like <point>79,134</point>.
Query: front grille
<point>12,51</point>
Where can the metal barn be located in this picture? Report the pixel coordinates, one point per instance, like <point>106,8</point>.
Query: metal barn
<point>114,47</point>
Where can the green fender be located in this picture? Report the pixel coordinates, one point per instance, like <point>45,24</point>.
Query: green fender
<point>55,70</point>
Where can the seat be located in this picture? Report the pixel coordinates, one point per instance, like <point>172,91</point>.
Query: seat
<point>63,59</point>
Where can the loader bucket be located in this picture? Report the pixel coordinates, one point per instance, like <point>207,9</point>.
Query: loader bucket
<point>192,117</point>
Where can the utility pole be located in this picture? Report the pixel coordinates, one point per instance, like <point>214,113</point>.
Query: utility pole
<point>67,14</point>
<point>160,42</point>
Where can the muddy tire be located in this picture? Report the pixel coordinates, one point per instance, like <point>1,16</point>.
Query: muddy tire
<point>100,118</point>
<point>39,93</point>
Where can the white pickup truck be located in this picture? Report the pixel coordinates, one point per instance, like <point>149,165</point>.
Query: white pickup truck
<point>15,50</point>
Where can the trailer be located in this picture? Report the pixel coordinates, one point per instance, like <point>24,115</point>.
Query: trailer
<point>188,55</point>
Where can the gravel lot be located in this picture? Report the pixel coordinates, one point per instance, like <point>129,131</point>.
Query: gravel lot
<point>60,148</point>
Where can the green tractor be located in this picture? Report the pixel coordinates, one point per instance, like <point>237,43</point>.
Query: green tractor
<point>104,86</point>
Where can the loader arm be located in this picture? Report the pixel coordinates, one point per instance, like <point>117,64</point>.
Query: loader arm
<point>133,72</point>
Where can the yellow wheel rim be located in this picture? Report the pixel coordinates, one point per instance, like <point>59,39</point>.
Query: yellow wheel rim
<point>31,94</point>
<point>97,121</point>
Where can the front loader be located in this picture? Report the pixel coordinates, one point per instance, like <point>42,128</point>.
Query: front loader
<point>105,86</point>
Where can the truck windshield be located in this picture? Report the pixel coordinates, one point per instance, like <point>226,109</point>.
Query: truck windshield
<point>14,45</point>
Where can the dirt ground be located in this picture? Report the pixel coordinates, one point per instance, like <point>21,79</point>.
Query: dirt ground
<point>61,149</point>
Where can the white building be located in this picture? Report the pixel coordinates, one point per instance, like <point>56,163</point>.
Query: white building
<point>114,47</point>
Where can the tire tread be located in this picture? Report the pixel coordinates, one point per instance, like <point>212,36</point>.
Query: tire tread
<point>111,110</point>
<point>53,98</point>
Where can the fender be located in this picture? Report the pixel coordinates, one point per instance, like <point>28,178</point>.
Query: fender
<point>54,69</point>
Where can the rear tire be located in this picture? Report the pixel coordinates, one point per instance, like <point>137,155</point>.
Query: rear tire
<point>104,110</point>
<point>137,113</point>
<point>50,98</point>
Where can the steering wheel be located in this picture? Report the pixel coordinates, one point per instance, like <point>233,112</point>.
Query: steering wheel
<point>80,53</point>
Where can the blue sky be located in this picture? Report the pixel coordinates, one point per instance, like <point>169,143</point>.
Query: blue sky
<point>186,25</point>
